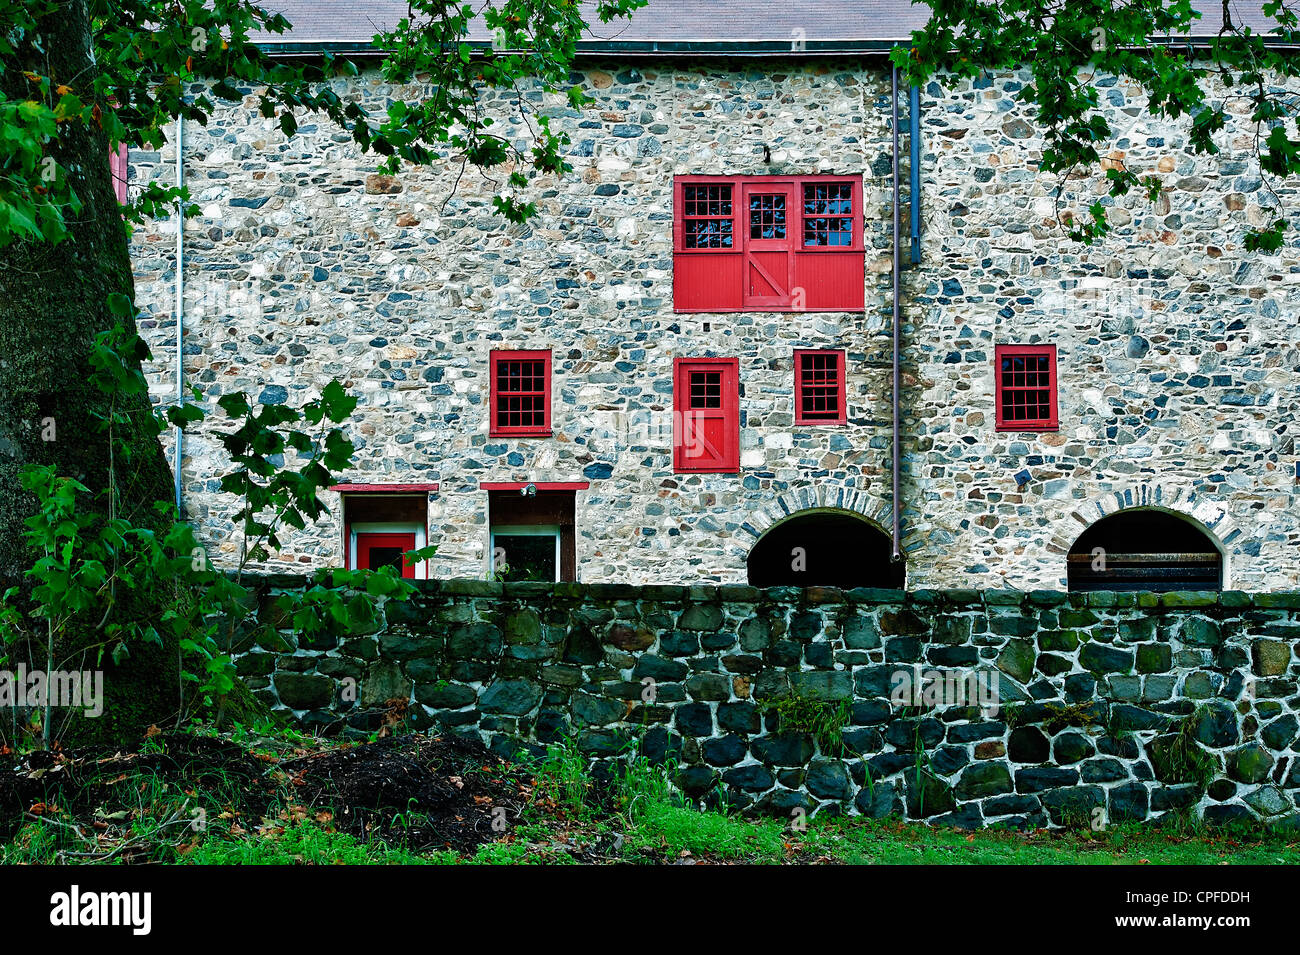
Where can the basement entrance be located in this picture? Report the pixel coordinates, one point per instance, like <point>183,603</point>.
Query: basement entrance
<point>1145,550</point>
<point>827,549</point>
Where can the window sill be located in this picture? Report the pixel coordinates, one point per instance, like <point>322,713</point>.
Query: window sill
<point>494,433</point>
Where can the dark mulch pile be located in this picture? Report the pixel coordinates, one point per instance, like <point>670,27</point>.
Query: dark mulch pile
<point>424,792</point>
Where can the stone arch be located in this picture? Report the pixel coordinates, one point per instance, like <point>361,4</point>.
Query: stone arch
<point>1209,516</point>
<point>821,500</point>
<point>824,546</point>
<point>827,497</point>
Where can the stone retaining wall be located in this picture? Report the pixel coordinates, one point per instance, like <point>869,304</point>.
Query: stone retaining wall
<point>1101,697</point>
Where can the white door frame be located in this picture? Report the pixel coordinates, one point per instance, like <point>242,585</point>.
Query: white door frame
<point>523,530</point>
<point>394,527</point>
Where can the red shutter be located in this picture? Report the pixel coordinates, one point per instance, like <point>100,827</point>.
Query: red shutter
<point>118,168</point>
<point>706,415</point>
<point>706,244</point>
<point>830,261</point>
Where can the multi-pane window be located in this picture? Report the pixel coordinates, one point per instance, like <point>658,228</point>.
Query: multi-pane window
<point>768,244</point>
<point>767,216</point>
<point>1026,387</point>
<point>819,387</point>
<point>521,393</point>
<point>828,214</point>
<point>707,217</point>
<point>706,389</point>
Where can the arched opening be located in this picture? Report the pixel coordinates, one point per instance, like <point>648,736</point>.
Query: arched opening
<point>825,549</point>
<point>1141,549</point>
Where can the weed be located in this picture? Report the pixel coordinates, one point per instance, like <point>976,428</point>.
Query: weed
<point>823,720</point>
<point>1177,757</point>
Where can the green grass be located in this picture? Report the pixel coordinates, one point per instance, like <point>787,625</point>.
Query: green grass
<point>306,842</point>
<point>675,829</point>
<point>856,841</point>
<point>633,816</point>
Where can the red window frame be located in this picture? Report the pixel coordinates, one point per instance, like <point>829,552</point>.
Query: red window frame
<point>811,383</point>
<point>1036,385</point>
<point>708,212</point>
<point>740,219</point>
<point>767,265</point>
<point>496,427</point>
<point>726,443</point>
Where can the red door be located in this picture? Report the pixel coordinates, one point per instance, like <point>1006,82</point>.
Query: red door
<point>385,550</point>
<point>706,415</point>
<point>767,235</point>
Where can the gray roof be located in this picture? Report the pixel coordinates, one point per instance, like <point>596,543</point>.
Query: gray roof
<point>687,25</point>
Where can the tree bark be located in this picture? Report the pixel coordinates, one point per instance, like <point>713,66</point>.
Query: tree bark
<point>53,301</point>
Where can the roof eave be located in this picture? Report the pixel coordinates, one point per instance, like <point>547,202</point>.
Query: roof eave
<point>712,48</point>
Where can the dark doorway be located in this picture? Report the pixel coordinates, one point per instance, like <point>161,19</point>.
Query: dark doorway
<point>1144,550</point>
<point>825,549</point>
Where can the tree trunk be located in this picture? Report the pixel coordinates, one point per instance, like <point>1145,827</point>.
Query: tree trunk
<point>53,301</point>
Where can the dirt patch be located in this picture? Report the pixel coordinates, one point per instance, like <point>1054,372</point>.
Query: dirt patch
<point>417,791</point>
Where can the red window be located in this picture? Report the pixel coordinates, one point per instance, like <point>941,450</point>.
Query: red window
<point>707,217</point>
<point>1026,387</point>
<point>118,169</point>
<point>819,387</point>
<point>768,243</point>
<point>521,393</point>
<point>827,214</point>
<point>706,415</point>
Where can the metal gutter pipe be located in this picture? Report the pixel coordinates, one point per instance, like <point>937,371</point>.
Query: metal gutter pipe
<point>914,150</point>
<point>897,468</point>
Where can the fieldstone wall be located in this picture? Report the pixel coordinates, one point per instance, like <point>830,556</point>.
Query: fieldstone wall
<point>1109,706</point>
<point>1178,353</point>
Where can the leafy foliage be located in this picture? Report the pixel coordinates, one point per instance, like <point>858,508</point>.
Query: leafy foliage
<point>130,585</point>
<point>162,59</point>
<point>1068,47</point>
<point>101,581</point>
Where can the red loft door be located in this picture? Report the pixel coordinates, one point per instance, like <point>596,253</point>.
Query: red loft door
<point>385,550</point>
<point>767,237</point>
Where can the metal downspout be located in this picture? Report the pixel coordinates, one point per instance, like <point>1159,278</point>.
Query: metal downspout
<point>894,488</point>
<point>914,151</point>
<point>180,304</point>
